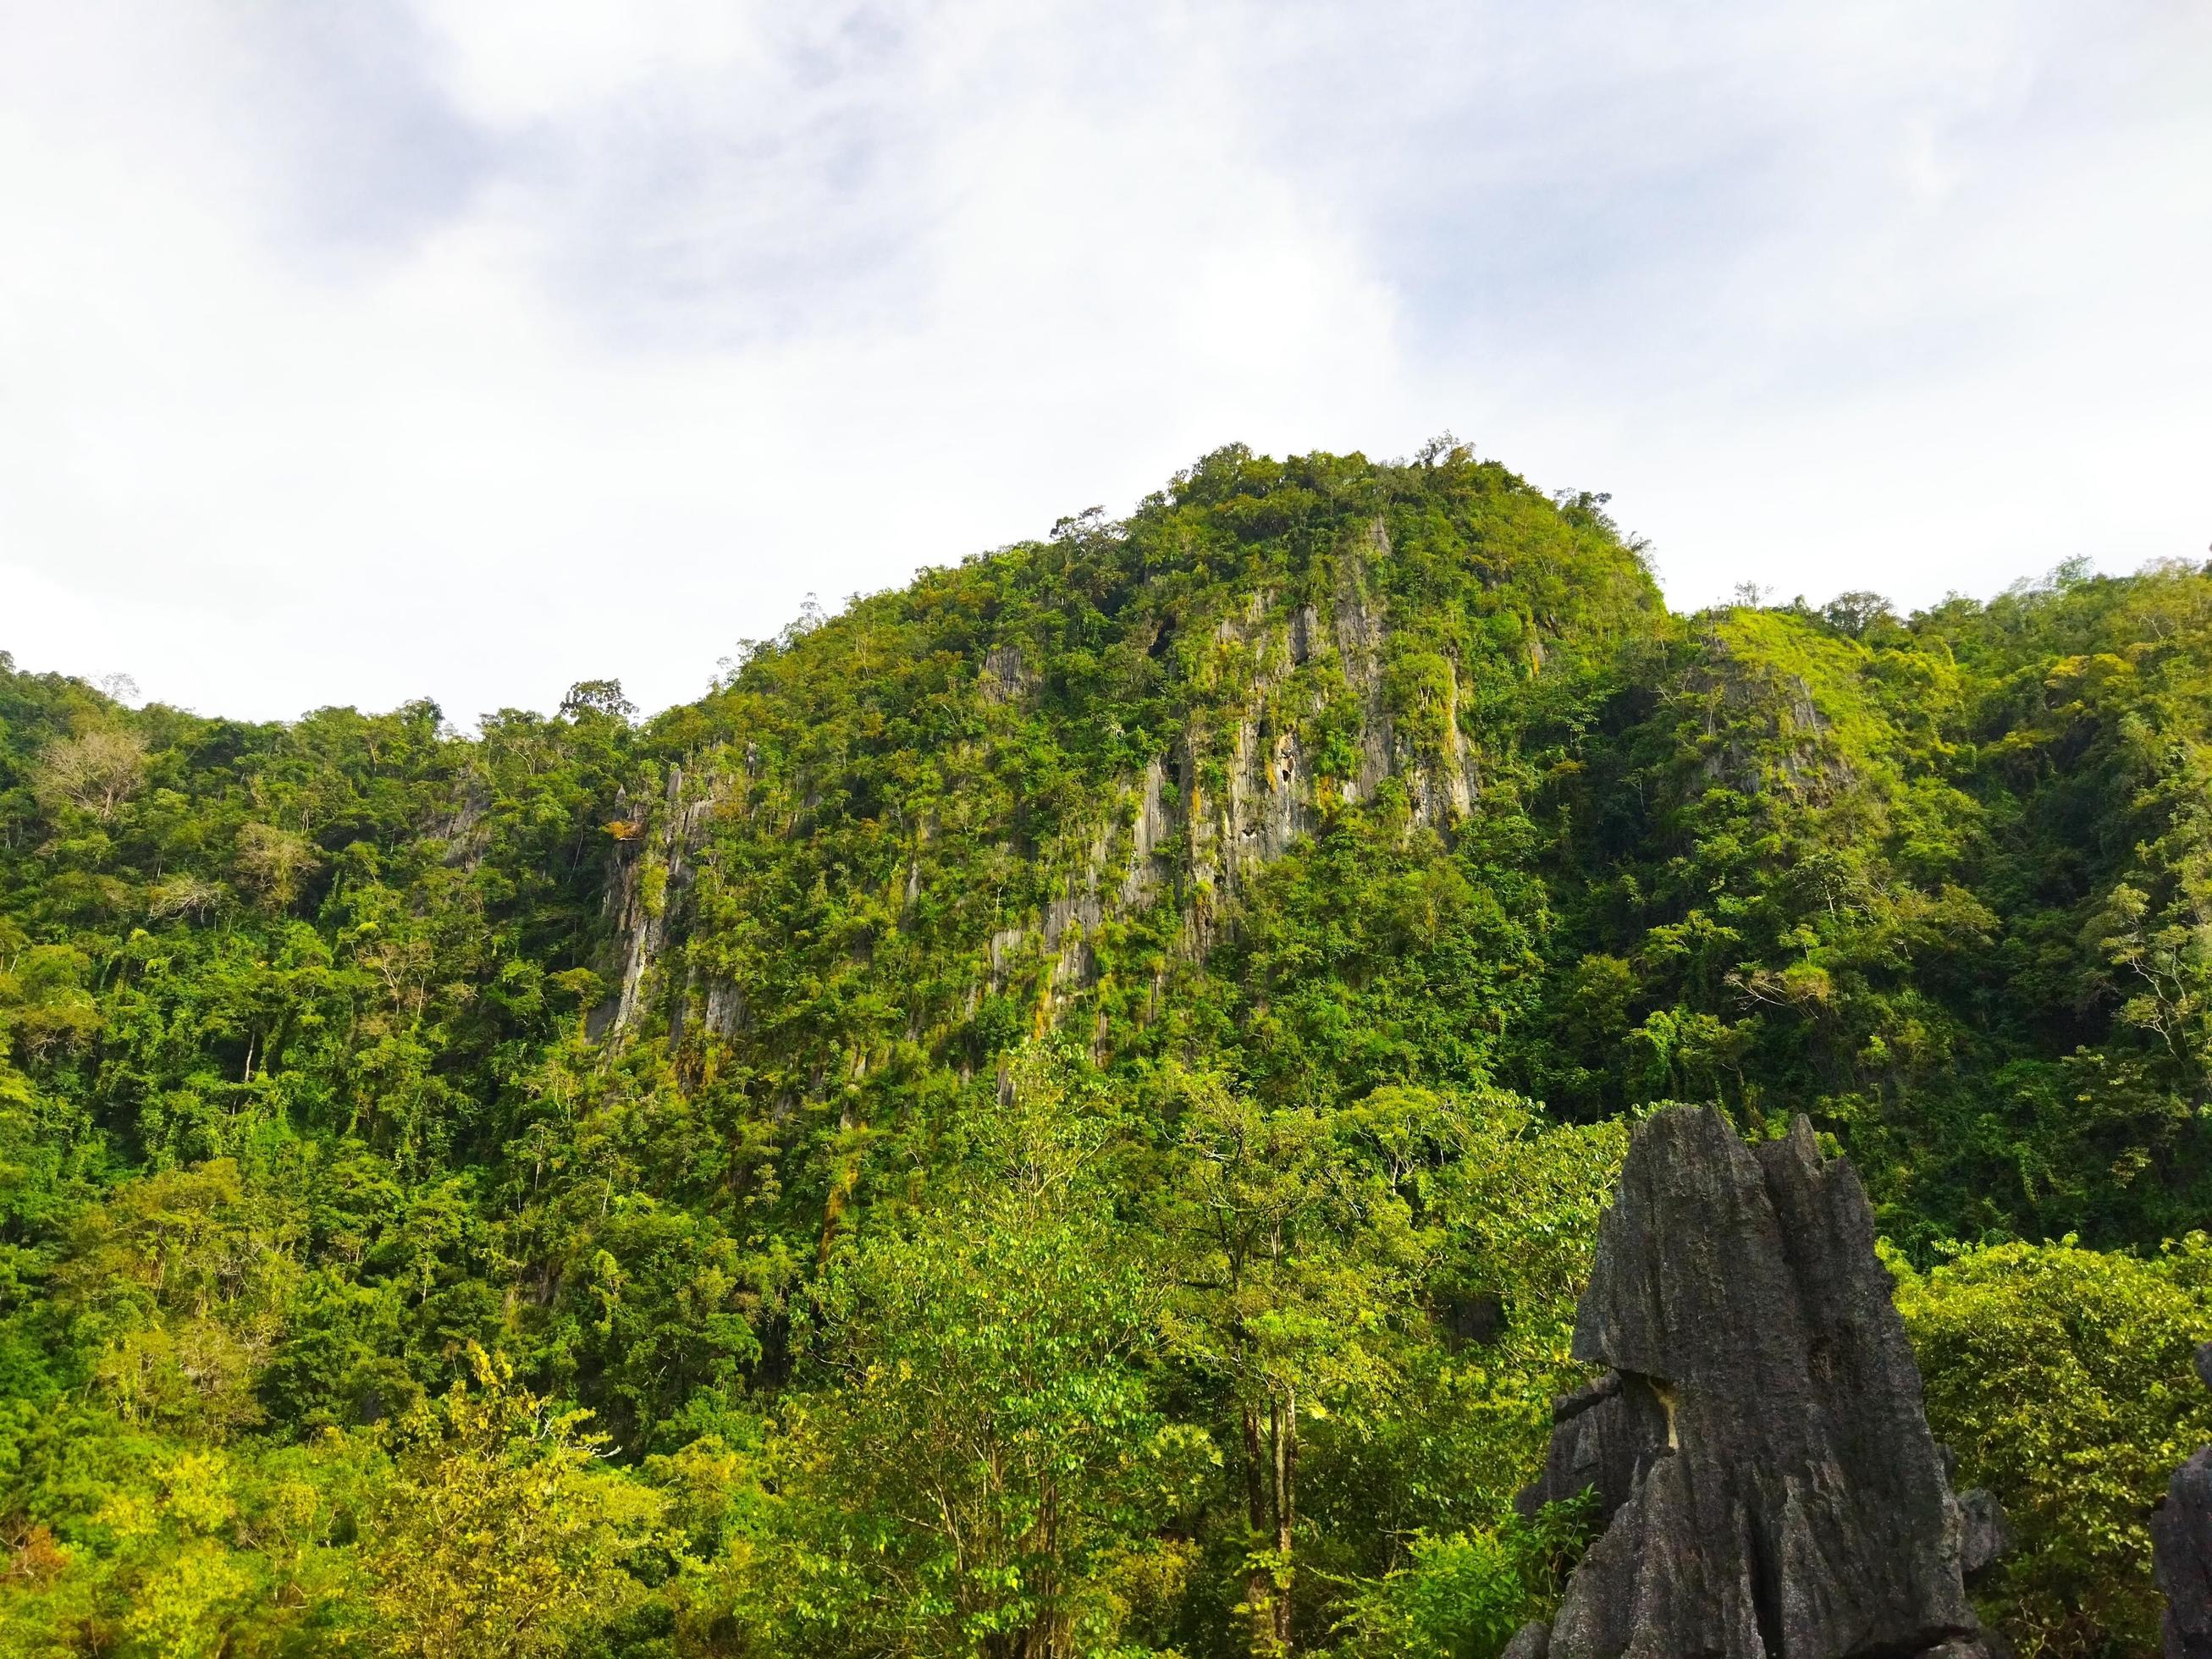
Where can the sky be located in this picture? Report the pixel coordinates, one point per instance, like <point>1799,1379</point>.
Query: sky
<point>468,348</point>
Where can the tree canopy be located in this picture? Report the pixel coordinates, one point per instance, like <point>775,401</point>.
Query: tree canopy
<point>1063,1109</point>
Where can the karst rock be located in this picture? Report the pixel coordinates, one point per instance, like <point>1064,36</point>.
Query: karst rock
<point>2181,1547</point>
<point>1761,1459</point>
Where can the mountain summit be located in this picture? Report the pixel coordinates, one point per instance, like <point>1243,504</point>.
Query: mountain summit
<point>1065,1109</point>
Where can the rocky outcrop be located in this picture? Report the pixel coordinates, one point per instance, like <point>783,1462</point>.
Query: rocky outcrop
<point>1238,789</point>
<point>1603,1439</point>
<point>1984,1537</point>
<point>2181,1552</point>
<point>1758,1447</point>
<point>2181,1547</point>
<point>660,866</point>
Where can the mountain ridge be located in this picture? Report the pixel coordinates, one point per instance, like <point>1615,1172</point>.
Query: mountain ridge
<point>1349,849</point>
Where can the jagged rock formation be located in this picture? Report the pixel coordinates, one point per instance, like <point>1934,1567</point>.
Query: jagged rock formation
<point>1984,1537</point>
<point>2181,1551</point>
<point>1758,1444</point>
<point>2181,1547</point>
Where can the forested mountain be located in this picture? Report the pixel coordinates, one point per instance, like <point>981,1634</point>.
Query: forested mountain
<point>1063,1109</point>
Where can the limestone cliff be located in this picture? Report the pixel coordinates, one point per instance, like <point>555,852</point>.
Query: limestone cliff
<point>1236,789</point>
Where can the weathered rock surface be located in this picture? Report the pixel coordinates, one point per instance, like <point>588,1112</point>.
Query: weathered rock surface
<point>1232,794</point>
<point>1605,1437</point>
<point>1983,1536</point>
<point>1758,1447</point>
<point>2181,1548</point>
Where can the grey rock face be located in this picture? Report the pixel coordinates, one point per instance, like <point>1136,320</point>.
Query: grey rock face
<point>1604,1436</point>
<point>1758,1446</point>
<point>1983,1535</point>
<point>2181,1555</point>
<point>1532,1641</point>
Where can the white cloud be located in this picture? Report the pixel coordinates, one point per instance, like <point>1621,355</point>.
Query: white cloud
<point>484,346</point>
<point>515,63</point>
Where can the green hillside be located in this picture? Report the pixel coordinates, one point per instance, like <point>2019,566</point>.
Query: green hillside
<point>1062,1111</point>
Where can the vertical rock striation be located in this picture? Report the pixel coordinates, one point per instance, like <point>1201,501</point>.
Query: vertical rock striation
<point>1758,1444</point>
<point>1235,791</point>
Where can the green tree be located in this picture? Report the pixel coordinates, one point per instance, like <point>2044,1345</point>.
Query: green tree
<point>1500,1209</point>
<point>1292,1272</point>
<point>983,1456</point>
<point>1463,1594</point>
<point>500,1534</point>
<point>2062,1379</point>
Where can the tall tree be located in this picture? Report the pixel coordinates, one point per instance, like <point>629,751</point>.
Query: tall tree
<point>1289,1275</point>
<point>982,1451</point>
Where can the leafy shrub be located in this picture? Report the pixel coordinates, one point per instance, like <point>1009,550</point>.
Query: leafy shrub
<point>2062,1379</point>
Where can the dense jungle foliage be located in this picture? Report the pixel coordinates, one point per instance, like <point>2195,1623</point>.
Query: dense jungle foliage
<point>1063,1111</point>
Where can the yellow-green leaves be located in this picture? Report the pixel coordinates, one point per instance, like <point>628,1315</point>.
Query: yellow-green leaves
<point>2061,1378</point>
<point>500,1534</point>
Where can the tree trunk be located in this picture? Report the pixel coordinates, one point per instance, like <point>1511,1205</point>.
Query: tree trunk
<point>1284,1419</point>
<point>1259,1583</point>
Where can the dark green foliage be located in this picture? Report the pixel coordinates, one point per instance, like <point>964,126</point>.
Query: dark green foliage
<point>1933,882</point>
<point>1241,856</point>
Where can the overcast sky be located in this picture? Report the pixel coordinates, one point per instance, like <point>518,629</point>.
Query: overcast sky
<point>351,353</point>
